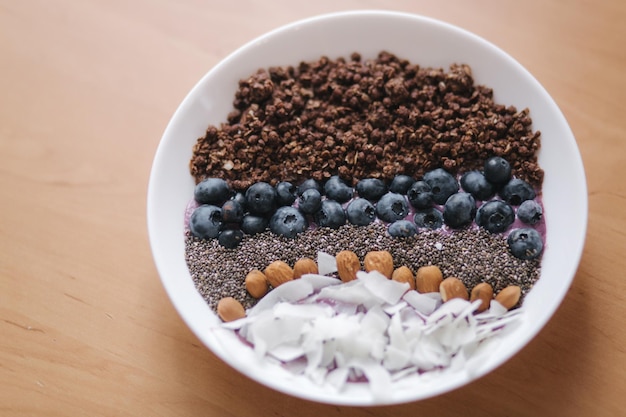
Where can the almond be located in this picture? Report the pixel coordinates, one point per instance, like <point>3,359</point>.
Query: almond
<point>509,296</point>
<point>229,309</point>
<point>304,266</point>
<point>348,265</point>
<point>380,261</point>
<point>452,287</point>
<point>404,274</point>
<point>256,283</point>
<point>484,293</point>
<point>277,273</point>
<point>428,278</point>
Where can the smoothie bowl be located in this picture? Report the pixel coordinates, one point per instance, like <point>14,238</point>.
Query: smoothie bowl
<point>367,208</point>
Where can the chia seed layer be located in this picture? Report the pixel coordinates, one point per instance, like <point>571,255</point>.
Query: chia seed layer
<point>472,255</point>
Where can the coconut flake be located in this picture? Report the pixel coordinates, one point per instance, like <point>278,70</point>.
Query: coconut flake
<point>421,302</point>
<point>375,320</point>
<point>326,263</point>
<point>372,328</point>
<point>377,376</point>
<point>303,311</point>
<point>381,287</point>
<point>287,352</point>
<point>290,291</point>
<point>353,292</point>
<point>497,309</point>
<point>337,378</point>
<point>318,281</point>
<point>391,309</point>
<point>268,332</point>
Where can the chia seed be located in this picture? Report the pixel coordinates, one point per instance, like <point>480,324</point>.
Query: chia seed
<point>473,255</point>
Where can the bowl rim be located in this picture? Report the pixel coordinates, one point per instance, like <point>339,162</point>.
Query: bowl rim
<point>179,297</point>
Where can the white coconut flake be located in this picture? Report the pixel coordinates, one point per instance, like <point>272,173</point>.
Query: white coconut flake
<point>318,281</point>
<point>287,352</point>
<point>337,378</point>
<point>391,309</point>
<point>421,302</point>
<point>269,332</point>
<point>336,333</point>
<point>375,320</point>
<point>290,291</point>
<point>326,263</point>
<point>303,311</point>
<point>380,286</point>
<point>378,377</point>
<point>239,323</point>
<point>353,292</point>
<point>496,308</point>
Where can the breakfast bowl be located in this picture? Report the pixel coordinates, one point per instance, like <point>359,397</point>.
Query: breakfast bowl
<point>428,43</point>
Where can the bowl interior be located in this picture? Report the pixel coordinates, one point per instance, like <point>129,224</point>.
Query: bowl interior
<point>423,41</point>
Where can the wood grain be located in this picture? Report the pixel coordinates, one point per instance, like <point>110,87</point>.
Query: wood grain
<point>86,90</point>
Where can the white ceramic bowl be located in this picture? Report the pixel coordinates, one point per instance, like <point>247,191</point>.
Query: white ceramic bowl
<point>423,41</point>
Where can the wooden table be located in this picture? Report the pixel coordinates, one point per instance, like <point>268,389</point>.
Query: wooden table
<point>86,90</point>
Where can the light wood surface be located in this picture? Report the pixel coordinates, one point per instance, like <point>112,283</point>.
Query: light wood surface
<point>86,90</point>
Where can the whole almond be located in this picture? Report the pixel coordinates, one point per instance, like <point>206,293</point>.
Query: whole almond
<point>256,283</point>
<point>404,274</point>
<point>229,309</point>
<point>381,261</point>
<point>509,296</point>
<point>278,272</point>
<point>304,266</point>
<point>453,287</point>
<point>348,265</point>
<point>484,293</point>
<point>428,278</point>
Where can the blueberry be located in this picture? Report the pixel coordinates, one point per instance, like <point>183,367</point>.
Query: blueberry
<point>420,195</point>
<point>525,243</point>
<point>260,198</point>
<point>402,228</point>
<point>252,224</point>
<point>288,221</point>
<point>459,210</point>
<point>331,215</point>
<point>430,218</point>
<point>310,183</point>
<point>371,188</point>
<point>475,183</point>
<point>392,207</point>
<point>310,201</point>
<point>241,199</point>
<point>361,212</point>
<point>516,191</point>
<point>232,212</point>
<point>230,238</point>
<point>530,212</point>
<point>495,216</point>
<point>285,193</point>
<point>497,170</point>
<point>401,184</point>
<point>205,221</point>
<point>337,189</point>
<point>442,184</point>
<point>212,191</point>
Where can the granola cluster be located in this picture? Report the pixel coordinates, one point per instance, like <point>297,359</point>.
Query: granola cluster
<point>361,118</point>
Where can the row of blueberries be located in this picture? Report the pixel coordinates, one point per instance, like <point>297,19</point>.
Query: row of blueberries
<point>436,199</point>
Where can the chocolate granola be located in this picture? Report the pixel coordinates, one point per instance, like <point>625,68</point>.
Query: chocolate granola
<point>361,118</point>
